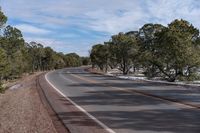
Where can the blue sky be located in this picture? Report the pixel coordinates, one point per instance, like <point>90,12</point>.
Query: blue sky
<point>75,25</point>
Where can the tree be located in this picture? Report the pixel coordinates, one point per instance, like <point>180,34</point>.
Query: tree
<point>36,53</point>
<point>59,60</point>
<point>72,60</point>
<point>13,44</point>
<point>18,57</point>
<point>48,59</point>
<point>3,19</point>
<point>3,63</point>
<point>175,53</point>
<point>136,61</point>
<point>99,56</point>
<point>147,35</point>
<point>123,50</point>
<point>85,61</point>
<point>43,58</point>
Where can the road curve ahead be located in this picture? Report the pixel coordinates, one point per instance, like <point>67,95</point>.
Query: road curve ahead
<point>116,106</point>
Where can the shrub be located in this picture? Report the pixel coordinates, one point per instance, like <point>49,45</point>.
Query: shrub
<point>2,89</point>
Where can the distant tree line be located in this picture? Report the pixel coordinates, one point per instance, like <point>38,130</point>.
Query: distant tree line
<point>171,52</point>
<point>18,57</point>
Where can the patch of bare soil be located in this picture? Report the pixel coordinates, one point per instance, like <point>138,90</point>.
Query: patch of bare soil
<point>21,110</point>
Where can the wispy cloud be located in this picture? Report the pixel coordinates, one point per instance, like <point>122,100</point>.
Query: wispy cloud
<point>77,24</point>
<point>61,46</point>
<point>113,23</point>
<point>31,29</point>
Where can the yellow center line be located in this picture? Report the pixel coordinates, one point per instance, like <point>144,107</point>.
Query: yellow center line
<point>137,92</point>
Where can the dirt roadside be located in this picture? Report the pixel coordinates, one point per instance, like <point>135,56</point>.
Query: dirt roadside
<point>21,110</point>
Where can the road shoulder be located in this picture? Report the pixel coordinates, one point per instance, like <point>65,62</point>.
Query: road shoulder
<point>73,118</point>
<point>21,109</point>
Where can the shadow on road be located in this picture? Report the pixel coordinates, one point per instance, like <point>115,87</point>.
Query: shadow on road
<point>168,91</point>
<point>134,112</point>
<point>152,119</point>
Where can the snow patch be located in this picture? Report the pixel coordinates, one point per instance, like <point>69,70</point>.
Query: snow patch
<point>139,76</point>
<point>132,77</point>
<point>14,87</point>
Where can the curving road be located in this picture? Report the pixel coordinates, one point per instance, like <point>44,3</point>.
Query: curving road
<point>123,106</point>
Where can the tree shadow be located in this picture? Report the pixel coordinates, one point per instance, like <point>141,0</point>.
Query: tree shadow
<point>152,117</point>
<point>113,97</point>
<point>173,92</point>
<point>177,120</point>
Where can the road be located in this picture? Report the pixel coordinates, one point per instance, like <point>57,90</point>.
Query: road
<point>124,106</point>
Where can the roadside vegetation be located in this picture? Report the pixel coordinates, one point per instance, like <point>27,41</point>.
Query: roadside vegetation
<point>171,52</point>
<point>18,57</point>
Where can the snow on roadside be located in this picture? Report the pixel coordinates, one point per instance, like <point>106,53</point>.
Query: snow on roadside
<point>116,73</point>
<point>16,86</point>
<point>132,77</point>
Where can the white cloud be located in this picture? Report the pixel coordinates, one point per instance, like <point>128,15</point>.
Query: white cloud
<point>69,35</point>
<point>25,28</point>
<point>61,46</point>
<point>165,11</point>
<point>100,16</point>
<point>137,14</point>
<point>56,44</point>
<point>107,16</point>
<point>113,23</point>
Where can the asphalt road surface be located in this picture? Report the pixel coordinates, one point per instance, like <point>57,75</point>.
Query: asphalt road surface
<point>120,106</point>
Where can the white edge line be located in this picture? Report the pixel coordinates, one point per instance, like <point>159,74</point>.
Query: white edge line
<point>80,108</point>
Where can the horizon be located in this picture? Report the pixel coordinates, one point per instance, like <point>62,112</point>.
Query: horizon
<point>70,26</point>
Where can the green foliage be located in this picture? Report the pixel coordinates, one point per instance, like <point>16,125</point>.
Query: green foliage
<point>3,19</point>
<point>72,60</point>
<point>171,52</point>
<point>176,50</point>
<point>2,89</point>
<point>121,51</point>
<point>124,50</point>
<point>18,57</point>
<point>3,63</point>
<point>147,36</point>
<point>85,61</point>
<point>99,56</point>
<point>13,44</point>
<point>59,60</point>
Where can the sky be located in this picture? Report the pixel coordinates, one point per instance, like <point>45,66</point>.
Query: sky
<point>75,25</point>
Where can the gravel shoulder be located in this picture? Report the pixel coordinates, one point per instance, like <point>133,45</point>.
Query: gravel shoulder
<point>21,110</point>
